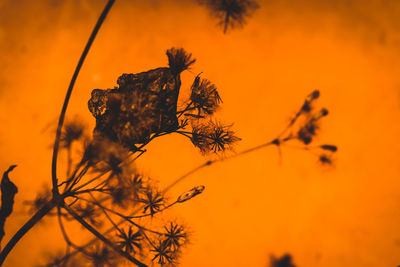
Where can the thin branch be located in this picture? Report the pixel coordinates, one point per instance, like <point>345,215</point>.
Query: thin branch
<point>69,92</point>
<point>25,228</point>
<point>102,237</point>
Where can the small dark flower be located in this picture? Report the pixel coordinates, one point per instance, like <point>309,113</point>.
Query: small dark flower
<point>200,139</point>
<point>331,148</point>
<point>163,254</point>
<point>153,202</point>
<point>284,261</point>
<point>325,159</point>
<point>306,133</point>
<point>120,195</point>
<point>221,137</point>
<point>205,96</point>
<point>102,256</point>
<point>191,194</point>
<point>61,260</point>
<point>88,212</point>
<point>175,236</point>
<point>314,95</point>
<point>213,137</point>
<point>136,185</point>
<point>40,200</point>
<point>306,107</point>
<point>179,60</point>
<point>104,150</point>
<point>73,131</point>
<point>231,13</point>
<point>322,113</point>
<point>130,240</point>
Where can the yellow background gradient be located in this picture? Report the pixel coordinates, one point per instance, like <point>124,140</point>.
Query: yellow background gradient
<point>253,206</point>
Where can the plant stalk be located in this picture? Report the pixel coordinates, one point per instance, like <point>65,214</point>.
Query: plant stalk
<point>25,228</point>
<point>96,29</point>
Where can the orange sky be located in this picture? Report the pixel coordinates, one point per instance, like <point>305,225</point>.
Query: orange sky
<point>252,206</point>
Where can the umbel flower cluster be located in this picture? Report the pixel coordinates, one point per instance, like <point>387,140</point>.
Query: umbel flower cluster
<point>105,192</point>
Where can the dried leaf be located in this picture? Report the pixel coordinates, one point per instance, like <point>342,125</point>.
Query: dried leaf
<point>8,191</point>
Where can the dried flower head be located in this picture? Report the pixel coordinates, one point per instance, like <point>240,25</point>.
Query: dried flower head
<point>73,131</point>
<point>325,159</point>
<point>231,13</point>
<point>175,236</point>
<point>120,195</point>
<point>136,186</point>
<point>40,200</point>
<point>153,201</point>
<point>102,256</point>
<point>205,96</point>
<point>309,100</point>
<point>213,137</point>
<point>130,241</point>
<point>89,212</point>
<point>307,132</point>
<point>103,150</point>
<point>179,60</point>
<point>162,253</point>
<point>284,261</point>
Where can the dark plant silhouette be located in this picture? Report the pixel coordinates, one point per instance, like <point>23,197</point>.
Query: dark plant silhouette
<point>284,261</point>
<point>106,194</point>
<point>230,13</point>
<point>8,192</point>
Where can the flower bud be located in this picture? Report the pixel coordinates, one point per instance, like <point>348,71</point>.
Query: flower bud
<point>190,194</point>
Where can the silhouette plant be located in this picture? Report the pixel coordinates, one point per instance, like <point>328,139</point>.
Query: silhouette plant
<point>106,194</point>
<point>230,13</point>
<point>284,261</point>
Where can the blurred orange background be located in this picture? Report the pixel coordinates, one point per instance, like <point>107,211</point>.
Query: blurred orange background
<point>253,206</point>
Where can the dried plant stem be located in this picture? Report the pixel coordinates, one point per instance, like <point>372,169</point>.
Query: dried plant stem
<point>25,228</point>
<point>102,237</point>
<point>189,173</point>
<point>56,195</point>
<point>211,162</point>
<point>100,21</point>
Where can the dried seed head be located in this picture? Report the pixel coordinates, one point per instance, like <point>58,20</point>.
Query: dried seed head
<point>205,96</point>
<point>231,13</point>
<point>73,131</point>
<point>129,240</point>
<point>325,159</point>
<point>179,60</point>
<point>213,137</point>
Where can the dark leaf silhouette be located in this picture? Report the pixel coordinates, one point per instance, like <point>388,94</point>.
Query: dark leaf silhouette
<point>8,191</point>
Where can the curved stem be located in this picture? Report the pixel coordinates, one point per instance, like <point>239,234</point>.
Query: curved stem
<point>25,228</point>
<point>69,92</point>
